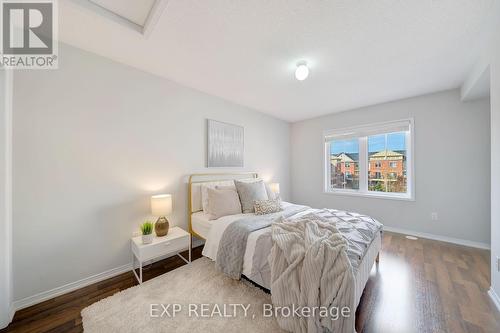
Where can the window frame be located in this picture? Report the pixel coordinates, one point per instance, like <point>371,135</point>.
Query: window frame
<point>364,164</point>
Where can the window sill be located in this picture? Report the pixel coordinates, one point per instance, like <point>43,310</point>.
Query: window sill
<point>370,195</point>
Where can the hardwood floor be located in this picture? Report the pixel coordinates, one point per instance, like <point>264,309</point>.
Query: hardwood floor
<point>428,286</point>
<point>418,286</point>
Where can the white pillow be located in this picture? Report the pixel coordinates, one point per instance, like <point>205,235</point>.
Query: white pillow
<point>225,187</point>
<point>222,203</point>
<point>204,193</point>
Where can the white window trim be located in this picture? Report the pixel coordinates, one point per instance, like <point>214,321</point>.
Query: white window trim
<point>363,163</point>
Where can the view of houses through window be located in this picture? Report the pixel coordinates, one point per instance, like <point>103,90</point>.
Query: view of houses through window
<point>344,160</point>
<point>386,163</point>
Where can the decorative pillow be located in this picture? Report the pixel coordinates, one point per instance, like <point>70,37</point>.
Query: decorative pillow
<point>222,203</point>
<point>249,193</point>
<point>204,191</point>
<point>267,206</point>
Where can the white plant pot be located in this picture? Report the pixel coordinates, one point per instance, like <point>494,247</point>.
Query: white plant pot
<point>147,239</point>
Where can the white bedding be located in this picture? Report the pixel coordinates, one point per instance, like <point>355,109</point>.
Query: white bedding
<point>201,224</point>
<point>217,227</point>
<point>215,234</point>
<point>361,276</point>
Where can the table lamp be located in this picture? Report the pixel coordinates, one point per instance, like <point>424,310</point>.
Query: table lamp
<point>161,206</point>
<point>275,188</point>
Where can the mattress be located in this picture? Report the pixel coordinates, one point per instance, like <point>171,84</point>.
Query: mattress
<point>365,267</point>
<point>201,224</point>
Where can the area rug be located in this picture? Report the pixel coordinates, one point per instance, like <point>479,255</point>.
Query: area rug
<point>193,298</point>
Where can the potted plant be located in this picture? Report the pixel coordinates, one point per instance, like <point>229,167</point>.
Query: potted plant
<point>147,232</point>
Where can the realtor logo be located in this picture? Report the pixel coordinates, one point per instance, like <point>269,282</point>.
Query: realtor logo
<point>29,34</point>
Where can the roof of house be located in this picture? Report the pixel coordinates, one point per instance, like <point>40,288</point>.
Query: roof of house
<point>386,153</point>
<point>345,157</point>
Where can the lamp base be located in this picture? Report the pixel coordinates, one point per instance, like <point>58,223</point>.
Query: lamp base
<point>161,226</point>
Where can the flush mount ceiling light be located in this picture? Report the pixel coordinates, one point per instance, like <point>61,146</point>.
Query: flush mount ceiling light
<point>302,71</point>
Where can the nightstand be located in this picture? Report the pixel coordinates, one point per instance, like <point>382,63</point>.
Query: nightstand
<point>176,241</point>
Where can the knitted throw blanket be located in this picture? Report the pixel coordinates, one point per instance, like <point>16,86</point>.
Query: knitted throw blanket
<point>310,269</point>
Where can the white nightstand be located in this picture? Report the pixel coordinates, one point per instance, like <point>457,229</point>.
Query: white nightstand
<point>176,241</point>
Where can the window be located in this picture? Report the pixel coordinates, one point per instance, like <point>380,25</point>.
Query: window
<point>371,160</point>
<point>343,170</point>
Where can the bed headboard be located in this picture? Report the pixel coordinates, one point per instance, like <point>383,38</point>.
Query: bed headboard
<point>197,180</point>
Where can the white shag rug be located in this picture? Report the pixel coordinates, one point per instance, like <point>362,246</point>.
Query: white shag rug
<point>150,306</point>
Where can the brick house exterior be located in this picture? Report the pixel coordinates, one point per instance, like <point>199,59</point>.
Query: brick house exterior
<point>343,163</point>
<point>386,164</point>
<point>344,171</point>
<point>386,171</point>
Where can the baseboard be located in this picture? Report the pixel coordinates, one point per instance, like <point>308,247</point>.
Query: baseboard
<point>6,320</point>
<point>494,297</point>
<point>67,288</point>
<point>46,295</point>
<point>438,237</point>
<point>12,312</point>
<point>4,323</point>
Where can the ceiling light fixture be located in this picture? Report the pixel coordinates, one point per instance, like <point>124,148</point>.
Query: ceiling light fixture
<point>302,71</point>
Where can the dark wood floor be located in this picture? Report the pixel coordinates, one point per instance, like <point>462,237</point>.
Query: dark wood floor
<point>419,286</point>
<point>428,286</point>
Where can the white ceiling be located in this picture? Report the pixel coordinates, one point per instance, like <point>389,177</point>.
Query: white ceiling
<point>360,52</point>
<point>132,10</point>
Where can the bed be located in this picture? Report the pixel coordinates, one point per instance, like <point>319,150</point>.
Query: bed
<point>211,231</point>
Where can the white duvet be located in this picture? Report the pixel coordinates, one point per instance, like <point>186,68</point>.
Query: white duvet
<point>359,230</point>
<point>217,230</point>
<point>220,225</point>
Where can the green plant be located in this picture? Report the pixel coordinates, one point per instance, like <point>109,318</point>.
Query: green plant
<point>147,228</point>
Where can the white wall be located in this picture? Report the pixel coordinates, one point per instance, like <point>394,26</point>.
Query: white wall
<point>92,141</point>
<point>495,156</point>
<point>489,63</point>
<point>5,197</point>
<point>452,161</point>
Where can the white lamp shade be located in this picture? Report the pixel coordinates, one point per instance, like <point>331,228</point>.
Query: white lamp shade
<point>161,205</point>
<point>275,187</point>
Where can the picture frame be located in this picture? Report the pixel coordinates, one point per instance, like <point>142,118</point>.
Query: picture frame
<point>225,144</point>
